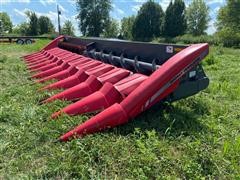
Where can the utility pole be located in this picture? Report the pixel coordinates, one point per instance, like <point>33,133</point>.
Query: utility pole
<point>1,27</point>
<point>59,26</point>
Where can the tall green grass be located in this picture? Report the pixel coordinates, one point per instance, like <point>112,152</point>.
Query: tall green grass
<point>225,39</point>
<point>194,138</point>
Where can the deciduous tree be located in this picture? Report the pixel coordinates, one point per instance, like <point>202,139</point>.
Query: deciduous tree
<point>197,17</point>
<point>68,28</point>
<point>33,28</point>
<point>93,16</point>
<point>126,27</point>
<point>5,23</point>
<point>112,29</point>
<point>229,15</point>
<point>21,29</point>
<point>148,21</point>
<point>228,23</point>
<point>45,25</point>
<point>174,20</point>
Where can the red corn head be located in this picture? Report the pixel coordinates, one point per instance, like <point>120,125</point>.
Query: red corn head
<point>162,82</point>
<point>117,93</point>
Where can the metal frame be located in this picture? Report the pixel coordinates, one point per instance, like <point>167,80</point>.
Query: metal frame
<point>143,58</point>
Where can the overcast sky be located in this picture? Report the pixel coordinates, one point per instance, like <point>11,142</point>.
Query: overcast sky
<point>120,9</point>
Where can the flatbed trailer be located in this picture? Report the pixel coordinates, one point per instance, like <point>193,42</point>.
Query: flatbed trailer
<point>21,39</point>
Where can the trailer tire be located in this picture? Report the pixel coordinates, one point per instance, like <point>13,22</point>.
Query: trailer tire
<point>20,41</point>
<point>28,41</point>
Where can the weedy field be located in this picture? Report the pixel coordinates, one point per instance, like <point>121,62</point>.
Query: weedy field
<point>197,137</point>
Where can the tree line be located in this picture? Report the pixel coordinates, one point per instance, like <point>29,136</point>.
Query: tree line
<point>34,26</point>
<point>150,22</point>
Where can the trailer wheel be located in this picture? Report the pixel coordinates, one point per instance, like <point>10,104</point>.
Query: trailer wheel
<point>28,41</point>
<point>20,41</point>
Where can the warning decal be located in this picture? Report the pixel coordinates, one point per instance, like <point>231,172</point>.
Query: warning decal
<point>169,49</point>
